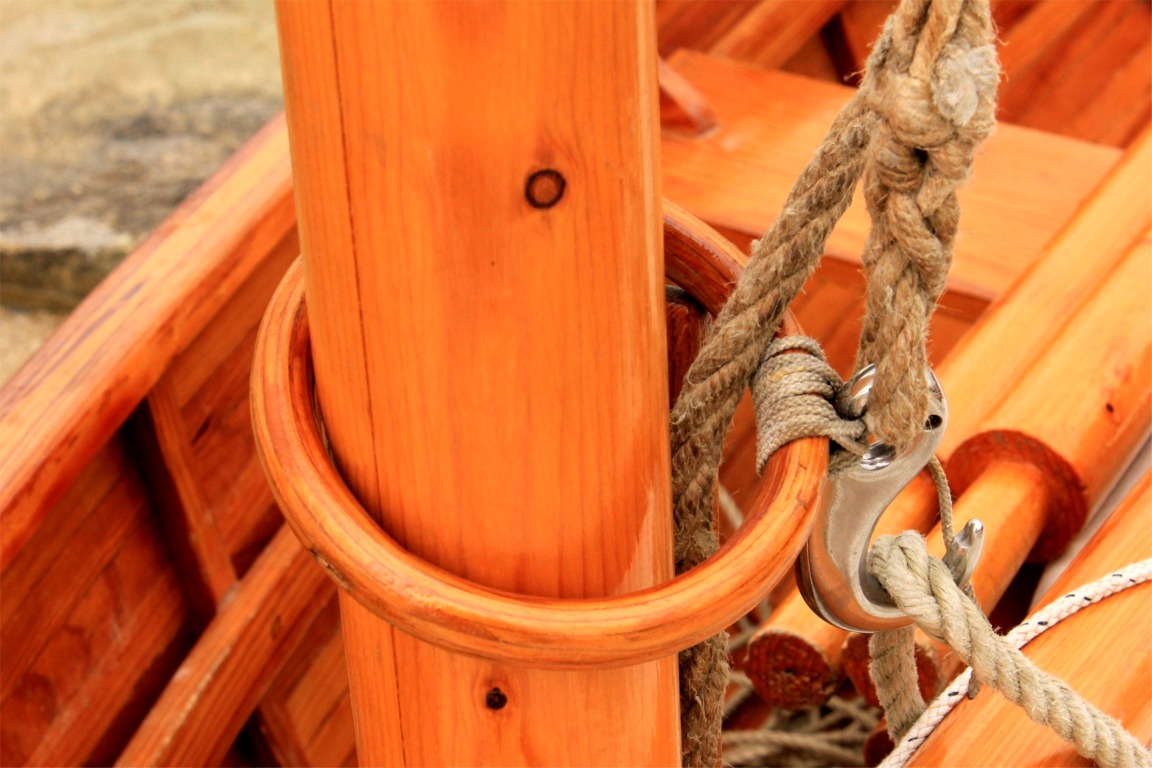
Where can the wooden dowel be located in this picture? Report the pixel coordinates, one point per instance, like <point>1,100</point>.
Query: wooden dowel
<point>985,366</point>
<point>1085,407</point>
<point>485,290</point>
<point>1102,652</point>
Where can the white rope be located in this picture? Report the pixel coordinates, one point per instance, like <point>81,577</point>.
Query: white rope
<point>1046,618</point>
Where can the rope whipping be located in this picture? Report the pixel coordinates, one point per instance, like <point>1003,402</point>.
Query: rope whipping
<point>927,99</point>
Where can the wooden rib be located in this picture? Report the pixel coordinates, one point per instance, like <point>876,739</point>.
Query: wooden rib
<point>1025,188</point>
<point>80,387</point>
<point>693,24</point>
<point>774,30</point>
<point>202,557</point>
<point>220,682</point>
<point>1102,652</point>
<point>681,105</point>
<point>529,289</point>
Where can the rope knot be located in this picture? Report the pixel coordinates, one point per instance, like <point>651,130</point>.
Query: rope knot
<point>797,394</point>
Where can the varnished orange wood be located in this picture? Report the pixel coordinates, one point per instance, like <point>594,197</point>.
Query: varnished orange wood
<point>74,393</point>
<point>1085,406</point>
<point>1025,186</point>
<point>220,682</point>
<point>681,106</point>
<point>1038,307</point>
<point>1102,652</point>
<point>491,374</point>
<point>465,616</point>
<point>772,31</point>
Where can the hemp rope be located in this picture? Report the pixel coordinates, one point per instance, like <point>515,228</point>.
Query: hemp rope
<point>1043,620</point>
<point>929,97</point>
<point>922,587</point>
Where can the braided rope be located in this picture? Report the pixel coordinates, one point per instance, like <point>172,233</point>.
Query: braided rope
<point>928,97</point>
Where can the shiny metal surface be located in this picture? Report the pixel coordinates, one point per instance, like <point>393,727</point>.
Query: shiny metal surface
<point>832,572</point>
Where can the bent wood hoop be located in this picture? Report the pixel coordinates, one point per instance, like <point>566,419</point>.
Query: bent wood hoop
<point>446,610</point>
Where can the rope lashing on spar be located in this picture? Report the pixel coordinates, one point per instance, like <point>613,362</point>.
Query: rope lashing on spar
<point>927,100</point>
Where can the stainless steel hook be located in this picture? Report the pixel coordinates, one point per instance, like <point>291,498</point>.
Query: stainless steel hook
<point>832,572</point>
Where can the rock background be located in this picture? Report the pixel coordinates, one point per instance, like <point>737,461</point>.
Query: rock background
<point>111,112</point>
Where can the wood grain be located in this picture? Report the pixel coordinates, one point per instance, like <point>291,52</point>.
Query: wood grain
<point>1026,184</point>
<point>773,31</point>
<point>456,326</point>
<point>220,682</point>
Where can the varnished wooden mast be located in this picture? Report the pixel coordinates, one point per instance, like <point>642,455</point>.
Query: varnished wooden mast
<point>479,214</point>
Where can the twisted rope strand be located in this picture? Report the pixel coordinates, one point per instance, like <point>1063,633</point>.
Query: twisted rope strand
<point>927,96</point>
<point>922,587</point>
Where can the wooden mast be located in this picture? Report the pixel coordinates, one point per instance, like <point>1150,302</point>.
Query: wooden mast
<point>479,214</point>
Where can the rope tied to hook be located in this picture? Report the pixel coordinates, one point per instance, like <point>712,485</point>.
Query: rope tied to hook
<point>927,100</point>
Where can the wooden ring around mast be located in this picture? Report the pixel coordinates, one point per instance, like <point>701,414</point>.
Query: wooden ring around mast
<point>446,610</point>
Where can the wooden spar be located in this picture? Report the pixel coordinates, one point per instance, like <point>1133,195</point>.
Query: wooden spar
<point>798,664</point>
<point>1102,652</point>
<point>485,291</point>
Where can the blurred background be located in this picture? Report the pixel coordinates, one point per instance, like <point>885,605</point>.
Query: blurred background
<point>111,113</point>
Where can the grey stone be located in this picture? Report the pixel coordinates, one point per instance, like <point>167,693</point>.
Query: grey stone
<point>111,113</point>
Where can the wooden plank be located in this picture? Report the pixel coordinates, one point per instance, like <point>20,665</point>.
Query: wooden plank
<point>77,562</point>
<point>814,59</point>
<point>67,401</point>
<point>1113,32</point>
<point>100,716</point>
<point>70,520</point>
<point>1123,107</point>
<point>1025,186</point>
<point>1050,35</point>
<point>497,330</point>
<point>773,31</point>
<point>116,645</point>
<point>232,664</point>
